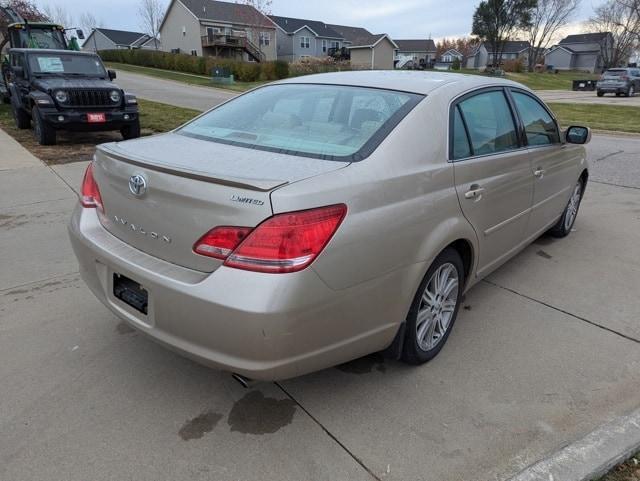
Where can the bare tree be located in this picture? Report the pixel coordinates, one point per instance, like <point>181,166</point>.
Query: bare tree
<point>88,22</point>
<point>151,13</point>
<point>262,6</point>
<point>58,14</point>
<point>623,22</point>
<point>546,19</point>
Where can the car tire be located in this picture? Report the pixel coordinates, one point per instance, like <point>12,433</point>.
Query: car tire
<point>131,131</point>
<point>563,227</point>
<point>44,133</point>
<point>600,93</point>
<point>434,310</point>
<point>630,91</point>
<point>20,117</point>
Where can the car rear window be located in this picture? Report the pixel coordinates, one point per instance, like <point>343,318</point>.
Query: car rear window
<point>331,122</point>
<point>615,73</point>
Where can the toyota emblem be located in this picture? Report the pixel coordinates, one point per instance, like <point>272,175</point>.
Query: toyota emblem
<point>137,185</point>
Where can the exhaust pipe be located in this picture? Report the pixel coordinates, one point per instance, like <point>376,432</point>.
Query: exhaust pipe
<point>245,382</point>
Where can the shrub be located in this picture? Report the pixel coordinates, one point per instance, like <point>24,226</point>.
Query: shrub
<point>514,65</point>
<point>455,65</point>
<point>242,71</point>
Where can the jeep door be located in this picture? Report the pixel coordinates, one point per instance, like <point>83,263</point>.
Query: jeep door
<point>492,173</point>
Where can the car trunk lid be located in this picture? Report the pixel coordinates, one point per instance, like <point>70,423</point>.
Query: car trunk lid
<point>191,186</point>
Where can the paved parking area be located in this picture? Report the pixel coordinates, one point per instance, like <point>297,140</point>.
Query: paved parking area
<point>544,351</point>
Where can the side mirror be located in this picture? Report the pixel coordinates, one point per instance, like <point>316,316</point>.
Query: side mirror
<point>80,34</point>
<point>578,135</point>
<point>18,72</point>
<point>112,74</point>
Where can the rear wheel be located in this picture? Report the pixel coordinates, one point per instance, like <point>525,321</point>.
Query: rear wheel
<point>20,117</point>
<point>45,134</point>
<point>131,131</point>
<point>599,93</point>
<point>568,218</point>
<point>434,308</point>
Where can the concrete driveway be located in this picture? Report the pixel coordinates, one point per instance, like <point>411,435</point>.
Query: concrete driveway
<point>544,351</point>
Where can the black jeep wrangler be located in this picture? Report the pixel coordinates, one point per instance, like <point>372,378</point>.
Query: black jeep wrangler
<point>67,90</point>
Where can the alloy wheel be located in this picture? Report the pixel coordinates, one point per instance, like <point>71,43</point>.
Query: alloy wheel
<point>437,306</point>
<point>572,208</point>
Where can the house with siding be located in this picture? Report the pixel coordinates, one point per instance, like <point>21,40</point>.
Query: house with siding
<point>420,51</point>
<point>299,38</point>
<point>220,29</point>
<point>588,52</point>
<point>109,39</point>
<point>367,50</point>
<point>485,54</point>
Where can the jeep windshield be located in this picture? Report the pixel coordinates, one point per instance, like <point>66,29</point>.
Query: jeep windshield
<point>66,64</point>
<point>331,122</point>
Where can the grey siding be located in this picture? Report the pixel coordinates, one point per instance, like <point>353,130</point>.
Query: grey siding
<point>379,57</point>
<point>560,59</point>
<point>285,46</point>
<point>587,61</point>
<point>98,41</point>
<point>181,30</point>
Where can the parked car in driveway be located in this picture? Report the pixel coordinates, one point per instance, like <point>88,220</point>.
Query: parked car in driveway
<point>66,90</point>
<point>619,81</point>
<point>318,219</point>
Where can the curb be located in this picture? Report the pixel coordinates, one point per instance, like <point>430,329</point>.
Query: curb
<point>590,457</point>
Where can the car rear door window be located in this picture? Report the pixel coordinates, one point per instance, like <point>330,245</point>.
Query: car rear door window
<point>460,145</point>
<point>489,123</point>
<point>539,126</point>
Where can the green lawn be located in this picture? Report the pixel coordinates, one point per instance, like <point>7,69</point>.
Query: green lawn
<point>599,117</point>
<point>188,78</point>
<point>541,81</point>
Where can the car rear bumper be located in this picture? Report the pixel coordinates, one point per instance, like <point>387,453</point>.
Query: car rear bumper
<point>262,326</point>
<point>615,88</point>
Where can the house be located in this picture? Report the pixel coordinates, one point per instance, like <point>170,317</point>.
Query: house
<point>108,39</point>
<point>218,29</point>
<point>298,38</point>
<point>485,54</point>
<point>587,51</point>
<point>450,55</point>
<point>420,51</point>
<point>367,50</point>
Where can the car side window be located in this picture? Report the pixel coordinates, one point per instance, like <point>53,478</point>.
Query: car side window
<point>489,123</point>
<point>460,148</point>
<point>539,126</point>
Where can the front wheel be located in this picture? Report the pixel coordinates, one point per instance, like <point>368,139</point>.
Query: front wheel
<point>434,308</point>
<point>131,131</point>
<point>44,133</point>
<point>568,218</point>
<point>599,93</point>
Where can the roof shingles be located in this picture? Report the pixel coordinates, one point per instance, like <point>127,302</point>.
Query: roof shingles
<point>240,13</point>
<point>291,25</point>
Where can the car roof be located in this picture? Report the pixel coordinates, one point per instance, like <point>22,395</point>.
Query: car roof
<point>419,82</point>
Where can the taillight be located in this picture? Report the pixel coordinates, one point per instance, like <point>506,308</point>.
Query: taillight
<point>625,77</point>
<point>282,243</point>
<point>90,193</point>
<point>220,241</point>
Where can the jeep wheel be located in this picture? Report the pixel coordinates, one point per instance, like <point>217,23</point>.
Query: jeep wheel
<point>45,134</point>
<point>131,131</point>
<point>20,117</point>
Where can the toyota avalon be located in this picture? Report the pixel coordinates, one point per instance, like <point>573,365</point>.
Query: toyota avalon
<point>318,219</point>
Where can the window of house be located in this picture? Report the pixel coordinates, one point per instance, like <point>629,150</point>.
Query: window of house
<point>324,46</point>
<point>489,123</point>
<point>539,126</point>
<point>335,45</point>
<point>265,38</point>
<point>305,42</point>
<point>194,53</point>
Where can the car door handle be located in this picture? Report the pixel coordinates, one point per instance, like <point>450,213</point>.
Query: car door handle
<point>539,172</point>
<point>474,193</point>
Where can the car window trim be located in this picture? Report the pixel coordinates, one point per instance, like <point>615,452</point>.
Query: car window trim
<point>544,107</point>
<point>514,117</point>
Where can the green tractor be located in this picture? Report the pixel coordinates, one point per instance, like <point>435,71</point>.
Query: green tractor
<point>24,34</point>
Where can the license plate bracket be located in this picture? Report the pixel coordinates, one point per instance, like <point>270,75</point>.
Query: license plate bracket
<point>96,118</point>
<point>131,293</point>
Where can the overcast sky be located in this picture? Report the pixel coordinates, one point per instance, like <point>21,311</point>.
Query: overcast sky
<point>399,18</point>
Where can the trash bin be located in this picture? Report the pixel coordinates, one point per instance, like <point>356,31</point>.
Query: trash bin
<point>221,75</point>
